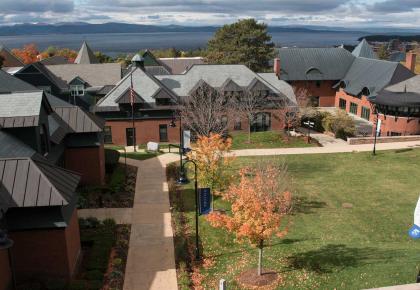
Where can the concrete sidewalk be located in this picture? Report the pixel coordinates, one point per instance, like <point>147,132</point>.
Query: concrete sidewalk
<point>151,258</point>
<point>337,148</point>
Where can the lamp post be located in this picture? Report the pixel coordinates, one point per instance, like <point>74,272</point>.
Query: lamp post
<point>7,244</point>
<point>182,176</point>
<point>197,249</point>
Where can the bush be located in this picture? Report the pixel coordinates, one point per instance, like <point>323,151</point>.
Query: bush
<point>341,124</point>
<point>94,275</point>
<point>318,118</point>
<point>89,223</point>
<point>111,160</point>
<point>117,180</point>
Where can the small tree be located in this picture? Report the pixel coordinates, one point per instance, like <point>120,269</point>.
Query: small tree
<point>211,155</point>
<point>341,124</point>
<point>259,203</point>
<point>205,110</point>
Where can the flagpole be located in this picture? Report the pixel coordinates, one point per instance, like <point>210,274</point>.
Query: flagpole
<point>132,110</point>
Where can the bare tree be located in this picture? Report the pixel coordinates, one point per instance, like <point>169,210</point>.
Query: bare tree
<point>205,110</point>
<point>291,113</point>
<point>249,104</point>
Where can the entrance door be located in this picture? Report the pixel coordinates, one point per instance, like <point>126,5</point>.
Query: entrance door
<point>130,133</point>
<point>163,133</point>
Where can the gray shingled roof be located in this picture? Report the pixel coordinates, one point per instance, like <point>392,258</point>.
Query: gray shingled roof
<point>405,93</point>
<point>314,63</point>
<point>364,50</point>
<point>214,75</point>
<point>20,109</point>
<point>179,65</point>
<point>10,60</point>
<point>9,83</point>
<point>96,75</point>
<point>85,55</point>
<point>144,85</point>
<point>26,182</point>
<point>374,75</point>
<point>157,70</point>
<point>55,60</point>
<point>282,86</point>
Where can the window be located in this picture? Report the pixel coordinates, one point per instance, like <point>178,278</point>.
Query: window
<point>163,102</point>
<point>395,134</point>
<point>261,122</point>
<point>314,101</point>
<point>238,124</point>
<point>353,108</point>
<point>130,135</point>
<point>365,113</point>
<point>163,133</point>
<point>107,135</point>
<point>224,121</point>
<point>342,104</point>
<point>77,90</point>
<point>318,84</point>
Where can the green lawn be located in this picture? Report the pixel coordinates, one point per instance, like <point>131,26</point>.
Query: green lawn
<point>269,139</point>
<point>328,246</point>
<point>141,155</point>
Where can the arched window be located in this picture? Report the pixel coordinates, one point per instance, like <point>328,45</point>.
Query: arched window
<point>261,122</point>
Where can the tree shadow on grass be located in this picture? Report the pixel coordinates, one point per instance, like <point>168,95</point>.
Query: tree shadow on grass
<point>305,205</point>
<point>336,257</point>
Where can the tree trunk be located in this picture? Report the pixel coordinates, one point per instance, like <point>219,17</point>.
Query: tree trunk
<point>260,256</point>
<point>249,129</point>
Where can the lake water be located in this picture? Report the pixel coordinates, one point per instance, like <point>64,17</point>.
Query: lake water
<point>116,43</point>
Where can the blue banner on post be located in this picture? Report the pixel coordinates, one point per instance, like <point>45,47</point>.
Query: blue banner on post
<point>414,232</point>
<point>205,200</point>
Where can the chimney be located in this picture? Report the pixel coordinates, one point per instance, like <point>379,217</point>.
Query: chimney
<point>277,67</point>
<point>410,61</point>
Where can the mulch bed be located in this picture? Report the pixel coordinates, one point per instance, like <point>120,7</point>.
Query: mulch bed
<point>250,279</point>
<point>109,196</point>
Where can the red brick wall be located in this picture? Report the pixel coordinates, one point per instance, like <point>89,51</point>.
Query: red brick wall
<point>146,131</point>
<point>46,254</point>
<point>5,273</point>
<point>149,130</point>
<point>402,125</point>
<point>362,102</point>
<point>325,92</point>
<point>89,162</point>
<point>389,124</point>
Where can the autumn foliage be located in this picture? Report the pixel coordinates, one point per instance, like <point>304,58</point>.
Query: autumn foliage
<point>211,155</point>
<point>28,54</point>
<point>259,204</point>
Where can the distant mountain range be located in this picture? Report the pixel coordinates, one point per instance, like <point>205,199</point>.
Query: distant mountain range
<point>88,28</point>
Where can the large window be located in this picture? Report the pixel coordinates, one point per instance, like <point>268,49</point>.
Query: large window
<point>77,90</point>
<point>261,122</point>
<point>342,104</point>
<point>107,135</point>
<point>238,124</point>
<point>353,108</point>
<point>365,113</point>
<point>163,133</point>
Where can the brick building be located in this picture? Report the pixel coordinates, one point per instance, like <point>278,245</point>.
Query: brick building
<point>356,82</point>
<point>156,97</point>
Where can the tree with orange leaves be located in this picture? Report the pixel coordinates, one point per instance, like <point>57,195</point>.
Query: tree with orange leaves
<point>28,54</point>
<point>259,204</point>
<point>211,154</point>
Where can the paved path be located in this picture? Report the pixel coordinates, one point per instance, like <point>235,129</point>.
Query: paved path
<point>151,259</point>
<point>328,149</point>
<point>400,287</point>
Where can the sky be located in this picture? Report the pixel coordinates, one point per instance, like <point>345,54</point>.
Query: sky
<point>343,13</point>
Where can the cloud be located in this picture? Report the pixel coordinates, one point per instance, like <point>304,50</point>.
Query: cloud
<point>220,6</point>
<point>24,6</point>
<point>394,6</point>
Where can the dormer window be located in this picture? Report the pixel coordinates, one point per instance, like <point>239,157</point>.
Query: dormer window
<point>77,90</point>
<point>163,102</point>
